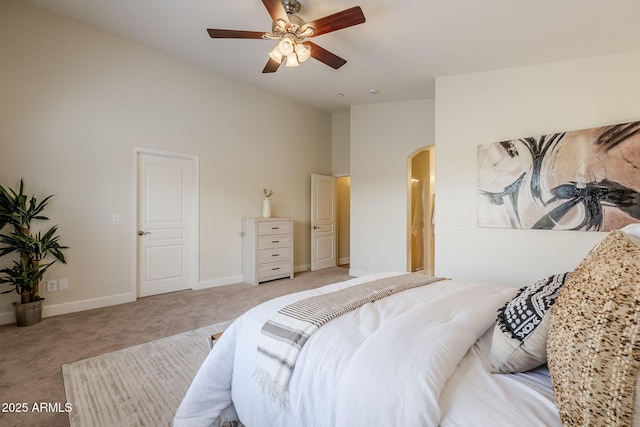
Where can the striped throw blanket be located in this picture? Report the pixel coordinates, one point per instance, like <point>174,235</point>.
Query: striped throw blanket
<point>283,336</point>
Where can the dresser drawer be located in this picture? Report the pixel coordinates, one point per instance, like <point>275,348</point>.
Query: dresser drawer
<point>275,241</point>
<point>274,255</point>
<point>274,227</point>
<point>274,269</point>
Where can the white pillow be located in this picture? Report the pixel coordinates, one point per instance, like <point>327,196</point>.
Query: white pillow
<point>519,341</point>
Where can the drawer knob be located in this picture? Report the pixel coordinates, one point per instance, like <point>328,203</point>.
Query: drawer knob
<point>275,254</point>
<point>275,241</point>
<point>275,228</point>
<point>276,268</point>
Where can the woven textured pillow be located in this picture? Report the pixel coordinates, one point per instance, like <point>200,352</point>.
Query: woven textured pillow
<point>519,341</point>
<point>593,345</point>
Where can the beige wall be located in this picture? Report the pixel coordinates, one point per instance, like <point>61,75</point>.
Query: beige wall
<point>493,106</point>
<point>340,155</point>
<point>76,100</point>
<point>383,137</point>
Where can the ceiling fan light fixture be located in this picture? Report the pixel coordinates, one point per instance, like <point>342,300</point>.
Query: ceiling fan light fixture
<point>286,46</point>
<point>303,52</point>
<point>290,32</point>
<point>292,60</point>
<point>276,54</point>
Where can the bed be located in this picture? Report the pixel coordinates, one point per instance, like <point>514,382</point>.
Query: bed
<point>432,355</point>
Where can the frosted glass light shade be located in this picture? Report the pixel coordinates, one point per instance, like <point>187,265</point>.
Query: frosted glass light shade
<point>292,60</point>
<point>286,46</point>
<point>303,52</point>
<point>276,54</point>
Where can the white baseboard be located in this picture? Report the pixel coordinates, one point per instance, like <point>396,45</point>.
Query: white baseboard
<point>239,279</point>
<point>219,282</point>
<point>88,304</point>
<point>7,317</point>
<point>72,307</point>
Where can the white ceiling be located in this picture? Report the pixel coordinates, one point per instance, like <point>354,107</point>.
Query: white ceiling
<point>399,51</point>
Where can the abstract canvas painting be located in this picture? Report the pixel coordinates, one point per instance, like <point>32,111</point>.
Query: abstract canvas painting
<point>586,180</point>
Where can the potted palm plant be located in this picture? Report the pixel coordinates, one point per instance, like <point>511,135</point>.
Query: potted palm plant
<point>24,275</point>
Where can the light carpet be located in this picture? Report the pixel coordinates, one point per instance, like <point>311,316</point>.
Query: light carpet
<point>141,385</point>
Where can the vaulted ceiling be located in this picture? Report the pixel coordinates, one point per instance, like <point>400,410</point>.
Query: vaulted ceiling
<point>397,53</point>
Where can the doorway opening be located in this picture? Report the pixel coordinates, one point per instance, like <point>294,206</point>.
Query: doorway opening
<point>343,192</point>
<point>330,218</point>
<point>421,204</point>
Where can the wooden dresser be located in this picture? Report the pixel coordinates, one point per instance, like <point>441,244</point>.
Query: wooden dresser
<point>267,249</point>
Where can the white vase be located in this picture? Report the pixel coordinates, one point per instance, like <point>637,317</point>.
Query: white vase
<point>266,208</point>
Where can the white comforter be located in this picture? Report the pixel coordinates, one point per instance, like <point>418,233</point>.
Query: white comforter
<point>384,364</point>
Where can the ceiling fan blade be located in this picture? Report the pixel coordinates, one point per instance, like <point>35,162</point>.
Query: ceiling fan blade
<point>276,10</point>
<point>271,67</point>
<point>234,34</point>
<point>324,56</point>
<point>337,21</point>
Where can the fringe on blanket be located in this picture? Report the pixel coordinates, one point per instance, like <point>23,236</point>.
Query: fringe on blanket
<point>277,392</point>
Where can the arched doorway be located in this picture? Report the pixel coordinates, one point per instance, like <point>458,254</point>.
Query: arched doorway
<point>421,198</point>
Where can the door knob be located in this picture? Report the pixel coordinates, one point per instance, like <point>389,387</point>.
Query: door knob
<point>142,233</point>
<point>315,227</point>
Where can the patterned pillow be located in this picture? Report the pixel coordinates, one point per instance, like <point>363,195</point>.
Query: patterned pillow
<point>594,341</point>
<point>519,341</point>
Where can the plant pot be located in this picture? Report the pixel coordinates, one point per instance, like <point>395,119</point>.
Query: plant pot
<point>29,313</point>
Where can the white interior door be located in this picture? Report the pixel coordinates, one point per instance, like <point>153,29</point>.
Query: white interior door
<point>166,224</point>
<point>323,222</point>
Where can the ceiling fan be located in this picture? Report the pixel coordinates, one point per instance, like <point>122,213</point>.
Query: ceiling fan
<point>291,31</point>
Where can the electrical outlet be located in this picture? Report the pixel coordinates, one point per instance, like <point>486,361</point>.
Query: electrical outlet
<point>63,284</point>
<point>52,285</point>
<point>115,220</point>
